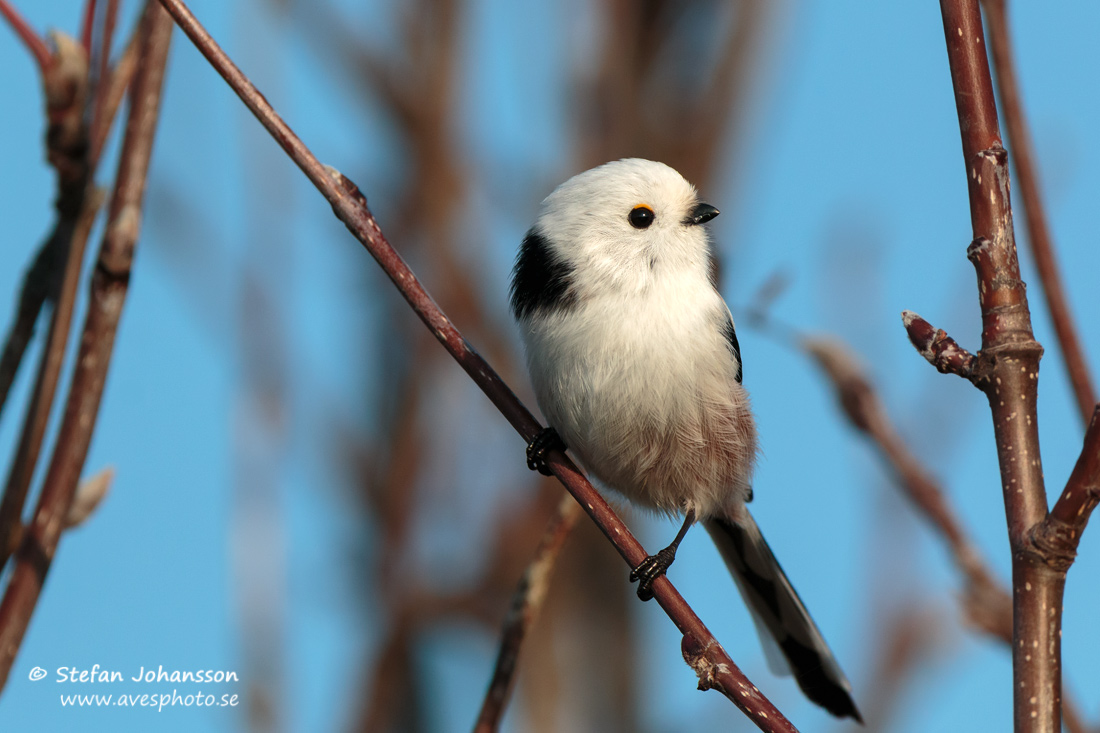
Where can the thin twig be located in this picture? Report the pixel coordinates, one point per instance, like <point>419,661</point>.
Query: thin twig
<point>1038,233</point>
<point>34,42</point>
<point>1072,720</point>
<point>37,284</point>
<point>526,604</point>
<point>42,395</point>
<point>53,277</point>
<point>109,97</point>
<point>108,293</point>
<point>87,27</point>
<point>64,83</point>
<point>713,665</point>
<point>100,116</point>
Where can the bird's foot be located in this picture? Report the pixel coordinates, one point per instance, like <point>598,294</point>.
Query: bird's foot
<point>547,439</point>
<point>650,569</point>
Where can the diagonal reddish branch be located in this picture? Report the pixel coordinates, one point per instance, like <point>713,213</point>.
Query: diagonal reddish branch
<point>1060,532</point>
<point>701,650</point>
<point>1038,234</point>
<point>108,293</point>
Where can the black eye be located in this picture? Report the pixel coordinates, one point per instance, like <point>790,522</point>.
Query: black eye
<point>640,217</point>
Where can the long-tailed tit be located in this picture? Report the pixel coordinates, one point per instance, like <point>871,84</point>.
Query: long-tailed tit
<point>636,366</point>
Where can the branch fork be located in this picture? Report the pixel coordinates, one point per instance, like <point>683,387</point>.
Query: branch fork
<point>1055,539</point>
<point>1006,370</point>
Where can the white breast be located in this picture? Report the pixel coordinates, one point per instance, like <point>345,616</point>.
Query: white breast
<point>641,387</point>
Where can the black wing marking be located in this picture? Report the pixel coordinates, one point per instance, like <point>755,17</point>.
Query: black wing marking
<point>540,281</point>
<point>735,348</point>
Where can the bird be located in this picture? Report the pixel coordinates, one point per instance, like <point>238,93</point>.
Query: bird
<point>636,366</point>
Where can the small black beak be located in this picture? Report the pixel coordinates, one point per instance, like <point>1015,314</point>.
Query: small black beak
<point>700,214</point>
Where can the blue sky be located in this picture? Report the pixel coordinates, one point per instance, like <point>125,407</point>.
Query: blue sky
<point>849,180</point>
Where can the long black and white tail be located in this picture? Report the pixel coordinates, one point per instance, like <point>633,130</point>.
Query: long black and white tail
<point>791,640</point>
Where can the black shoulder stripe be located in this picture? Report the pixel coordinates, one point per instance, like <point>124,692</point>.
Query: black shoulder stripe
<point>731,339</point>
<point>540,281</point>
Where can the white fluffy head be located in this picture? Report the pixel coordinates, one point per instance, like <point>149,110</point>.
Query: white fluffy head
<point>586,222</point>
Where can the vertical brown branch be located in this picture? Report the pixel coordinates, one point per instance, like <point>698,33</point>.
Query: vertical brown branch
<point>1038,234</point>
<point>55,273</point>
<point>74,155</point>
<point>1007,371</point>
<point>263,422</point>
<point>53,276</point>
<point>87,23</point>
<point>101,78</point>
<point>108,294</point>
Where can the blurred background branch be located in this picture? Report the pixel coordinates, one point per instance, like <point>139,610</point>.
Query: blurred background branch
<point>109,285</point>
<point>293,447</point>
